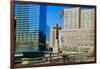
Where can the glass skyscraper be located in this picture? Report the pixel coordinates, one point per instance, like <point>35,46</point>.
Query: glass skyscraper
<point>30,27</point>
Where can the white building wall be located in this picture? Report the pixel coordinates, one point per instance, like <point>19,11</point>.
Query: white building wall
<point>87,18</point>
<point>77,40</point>
<point>71,18</point>
<point>73,38</point>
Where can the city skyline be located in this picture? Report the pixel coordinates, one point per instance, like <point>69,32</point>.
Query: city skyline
<point>53,34</point>
<point>55,12</point>
<point>29,20</point>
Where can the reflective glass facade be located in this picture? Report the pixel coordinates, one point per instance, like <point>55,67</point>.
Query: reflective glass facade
<point>30,27</point>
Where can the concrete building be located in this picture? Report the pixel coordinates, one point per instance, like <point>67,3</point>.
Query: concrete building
<point>78,35</point>
<point>78,40</point>
<point>87,19</point>
<point>75,18</point>
<point>71,18</point>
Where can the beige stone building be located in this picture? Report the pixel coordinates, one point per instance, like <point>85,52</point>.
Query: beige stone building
<point>87,19</point>
<point>71,18</point>
<point>78,40</point>
<point>78,35</point>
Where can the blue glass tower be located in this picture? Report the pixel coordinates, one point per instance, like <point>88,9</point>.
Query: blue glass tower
<point>30,27</point>
<point>47,33</point>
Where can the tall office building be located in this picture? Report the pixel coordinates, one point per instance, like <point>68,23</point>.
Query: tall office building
<point>78,32</point>
<point>71,18</point>
<point>30,27</point>
<point>87,18</point>
<point>75,18</point>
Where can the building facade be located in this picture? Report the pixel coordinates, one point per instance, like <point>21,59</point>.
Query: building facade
<point>78,35</point>
<point>87,19</point>
<point>71,18</point>
<point>30,27</point>
<point>78,40</point>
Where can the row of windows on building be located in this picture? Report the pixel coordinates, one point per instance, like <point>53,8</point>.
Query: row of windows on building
<point>76,31</point>
<point>71,40</point>
<point>78,35</point>
<point>27,37</point>
<point>78,49</point>
<point>77,44</point>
